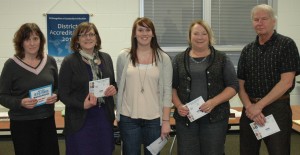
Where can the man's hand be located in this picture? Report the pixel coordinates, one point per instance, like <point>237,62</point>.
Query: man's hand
<point>253,110</point>
<point>260,119</point>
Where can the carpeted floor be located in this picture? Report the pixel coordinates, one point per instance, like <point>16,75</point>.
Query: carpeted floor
<point>231,146</point>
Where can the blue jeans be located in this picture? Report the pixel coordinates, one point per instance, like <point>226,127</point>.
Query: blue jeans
<point>135,132</point>
<point>201,137</point>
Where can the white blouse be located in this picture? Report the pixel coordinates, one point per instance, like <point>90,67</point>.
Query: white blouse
<point>141,93</point>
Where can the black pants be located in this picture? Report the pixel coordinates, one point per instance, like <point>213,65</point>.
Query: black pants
<point>35,137</point>
<point>278,143</point>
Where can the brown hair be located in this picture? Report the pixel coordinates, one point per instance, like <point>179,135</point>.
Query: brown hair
<point>206,27</point>
<point>22,34</point>
<point>83,28</point>
<point>144,22</point>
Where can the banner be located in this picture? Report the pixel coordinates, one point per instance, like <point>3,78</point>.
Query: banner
<point>60,28</point>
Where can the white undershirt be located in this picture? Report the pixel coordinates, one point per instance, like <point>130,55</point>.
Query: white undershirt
<point>135,103</point>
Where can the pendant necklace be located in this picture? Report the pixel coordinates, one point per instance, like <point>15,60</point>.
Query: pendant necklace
<point>142,83</point>
<point>198,62</point>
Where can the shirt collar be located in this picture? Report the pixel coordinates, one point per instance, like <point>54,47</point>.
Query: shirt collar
<point>273,37</point>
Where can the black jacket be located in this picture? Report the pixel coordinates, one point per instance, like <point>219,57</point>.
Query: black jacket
<point>73,87</point>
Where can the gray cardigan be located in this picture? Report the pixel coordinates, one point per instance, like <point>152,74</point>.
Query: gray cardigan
<point>165,79</point>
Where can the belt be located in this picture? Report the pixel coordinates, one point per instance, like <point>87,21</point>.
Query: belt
<point>284,97</point>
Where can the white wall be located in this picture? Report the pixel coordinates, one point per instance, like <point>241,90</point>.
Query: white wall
<point>289,25</point>
<point>114,19</point>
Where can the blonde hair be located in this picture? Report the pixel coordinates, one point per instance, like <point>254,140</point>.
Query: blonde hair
<point>208,29</point>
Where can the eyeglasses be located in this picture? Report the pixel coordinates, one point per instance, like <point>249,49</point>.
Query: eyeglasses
<point>86,35</point>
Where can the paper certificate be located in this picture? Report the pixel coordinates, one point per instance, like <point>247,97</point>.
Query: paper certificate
<point>194,111</point>
<point>297,121</point>
<point>157,145</point>
<point>4,116</point>
<point>41,94</point>
<point>268,129</point>
<point>98,87</point>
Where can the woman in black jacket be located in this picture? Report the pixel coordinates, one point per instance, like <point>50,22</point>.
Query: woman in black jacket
<point>88,119</point>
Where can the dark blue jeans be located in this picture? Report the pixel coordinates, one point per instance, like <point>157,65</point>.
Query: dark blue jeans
<point>135,132</point>
<point>201,137</point>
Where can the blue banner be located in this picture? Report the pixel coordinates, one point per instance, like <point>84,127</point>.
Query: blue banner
<point>60,28</point>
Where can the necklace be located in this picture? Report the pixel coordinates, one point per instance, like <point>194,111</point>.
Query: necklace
<point>142,83</point>
<point>198,62</point>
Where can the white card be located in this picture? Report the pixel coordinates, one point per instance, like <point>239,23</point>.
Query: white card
<point>157,145</point>
<point>297,121</point>
<point>194,111</point>
<point>4,116</point>
<point>98,87</point>
<point>268,129</point>
<point>41,94</point>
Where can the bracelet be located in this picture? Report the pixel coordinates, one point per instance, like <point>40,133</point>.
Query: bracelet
<point>166,120</point>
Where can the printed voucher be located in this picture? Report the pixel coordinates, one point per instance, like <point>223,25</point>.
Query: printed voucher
<point>268,129</point>
<point>97,87</point>
<point>157,145</point>
<point>194,111</point>
<point>41,94</point>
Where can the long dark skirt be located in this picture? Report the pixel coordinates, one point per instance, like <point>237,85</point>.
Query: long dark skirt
<point>94,138</point>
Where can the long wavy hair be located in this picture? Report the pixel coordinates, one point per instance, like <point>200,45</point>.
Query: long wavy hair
<point>144,22</point>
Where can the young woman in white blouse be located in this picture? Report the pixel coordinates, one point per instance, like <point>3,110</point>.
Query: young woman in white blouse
<point>144,77</point>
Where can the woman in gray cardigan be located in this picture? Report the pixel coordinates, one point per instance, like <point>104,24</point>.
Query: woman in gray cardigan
<point>144,74</point>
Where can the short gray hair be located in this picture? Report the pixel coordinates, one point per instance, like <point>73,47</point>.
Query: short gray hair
<point>263,7</point>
